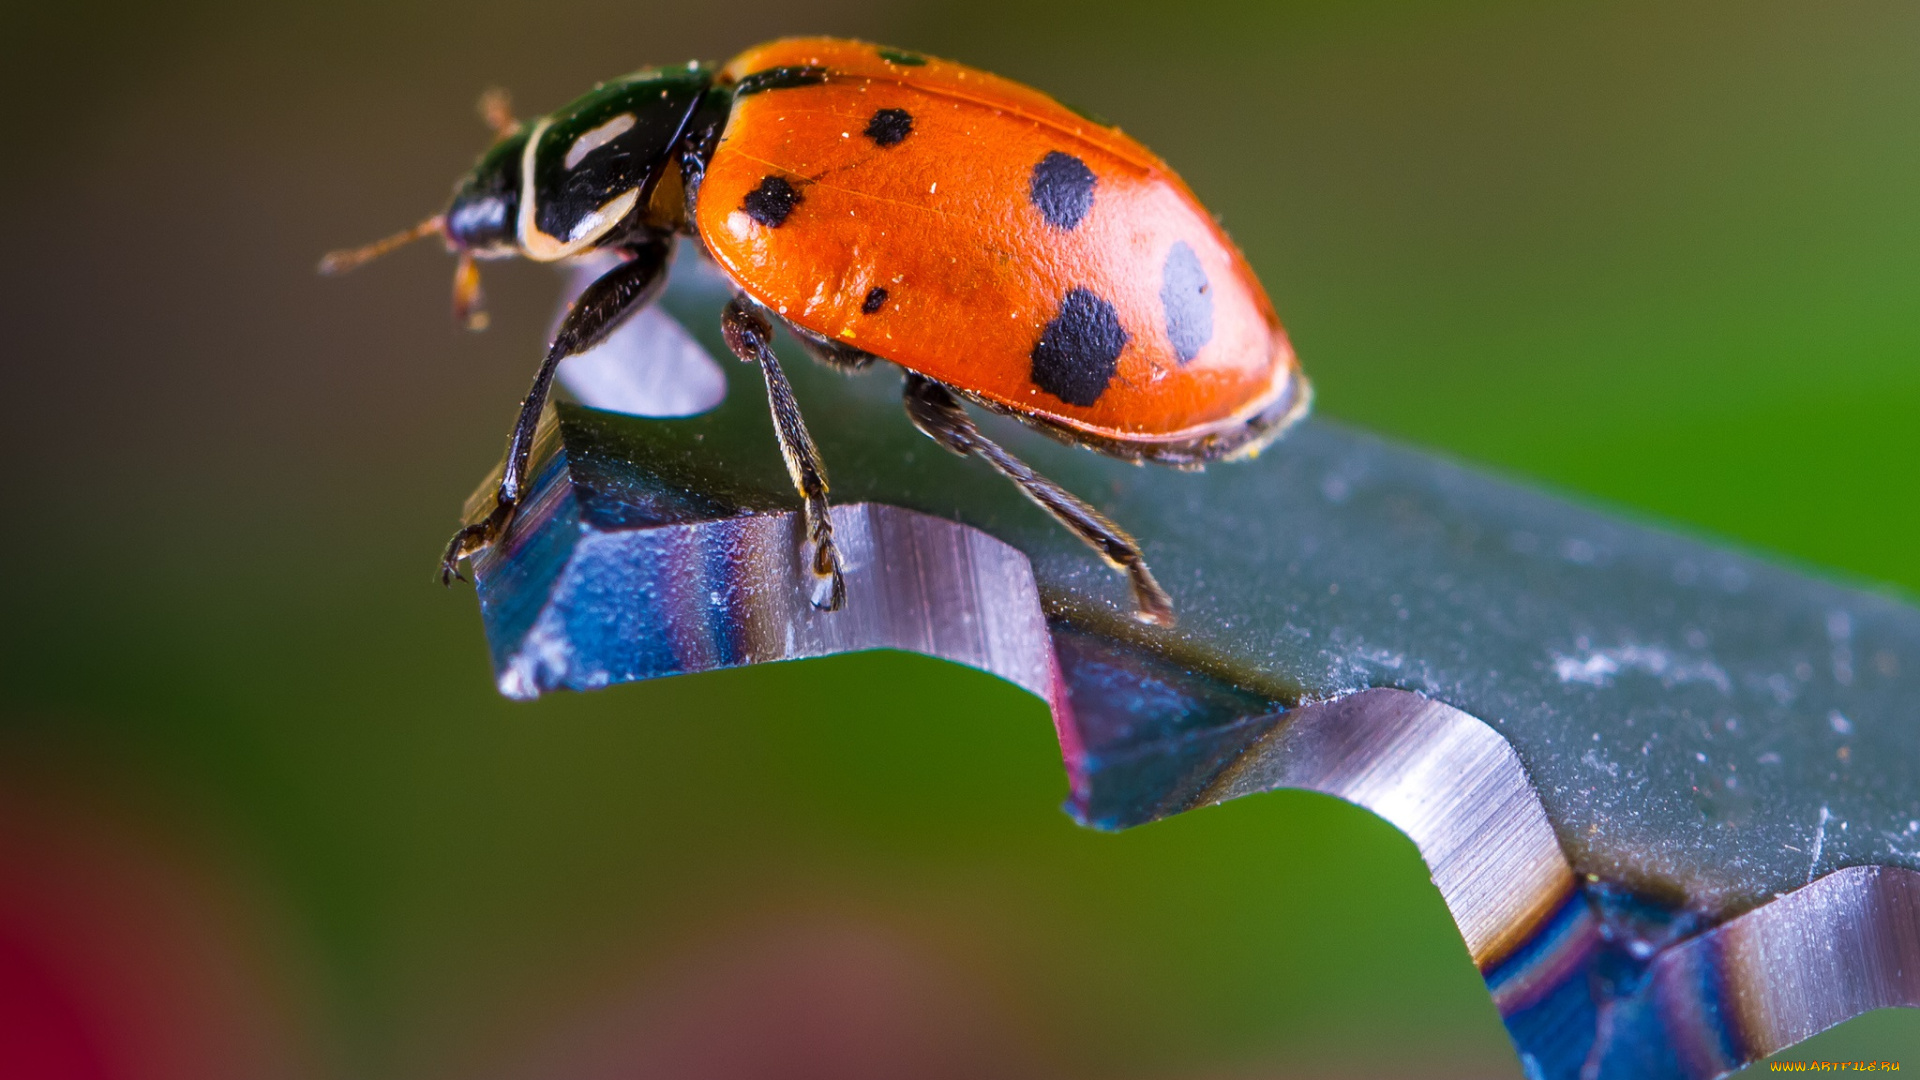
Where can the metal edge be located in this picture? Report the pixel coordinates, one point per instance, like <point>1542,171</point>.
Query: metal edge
<point>1579,983</point>
<point>1845,945</point>
<point>1695,1005</point>
<point>1452,784</point>
<point>718,594</point>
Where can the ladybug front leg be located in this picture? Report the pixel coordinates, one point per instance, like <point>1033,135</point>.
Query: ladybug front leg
<point>604,305</point>
<point>750,336</point>
<point>936,412</point>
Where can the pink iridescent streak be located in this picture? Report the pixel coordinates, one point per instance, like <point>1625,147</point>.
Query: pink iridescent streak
<point>1072,752</point>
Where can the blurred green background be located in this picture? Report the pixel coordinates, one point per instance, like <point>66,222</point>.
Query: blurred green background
<point>262,814</point>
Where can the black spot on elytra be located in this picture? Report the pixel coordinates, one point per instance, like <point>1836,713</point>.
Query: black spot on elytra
<point>1061,189</point>
<point>780,78</point>
<point>890,127</point>
<point>1187,298</point>
<point>1080,349</point>
<point>771,202</point>
<point>876,297</point>
<point>900,57</point>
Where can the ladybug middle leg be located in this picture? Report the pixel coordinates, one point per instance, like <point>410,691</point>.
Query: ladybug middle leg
<point>600,310</point>
<point>937,413</point>
<point>749,335</point>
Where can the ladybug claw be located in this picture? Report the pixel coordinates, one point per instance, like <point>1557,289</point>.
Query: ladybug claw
<point>458,548</point>
<point>827,589</point>
<point>472,540</point>
<point>1154,607</point>
<point>828,593</point>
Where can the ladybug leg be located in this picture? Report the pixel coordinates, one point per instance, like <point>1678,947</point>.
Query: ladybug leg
<point>937,413</point>
<point>750,335</point>
<point>618,293</point>
<point>842,358</point>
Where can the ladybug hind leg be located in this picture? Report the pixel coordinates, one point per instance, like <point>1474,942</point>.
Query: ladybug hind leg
<point>936,412</point>
<point>750,337</point>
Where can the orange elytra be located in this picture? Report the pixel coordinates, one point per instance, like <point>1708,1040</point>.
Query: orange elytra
<point>998,246</point>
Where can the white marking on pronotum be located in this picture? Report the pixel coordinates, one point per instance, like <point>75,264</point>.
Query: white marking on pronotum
<point>540,247</point>
<point>594,225</point>
<point>597,138</point>
<point>525,225</point>
<point>1819,841</point>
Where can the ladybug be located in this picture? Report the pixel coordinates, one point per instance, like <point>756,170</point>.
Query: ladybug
<point>999,247</point>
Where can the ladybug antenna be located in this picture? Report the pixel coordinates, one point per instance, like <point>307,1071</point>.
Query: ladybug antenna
<point>469,304</point>
<point>496,108</point>
<point>339,262</point>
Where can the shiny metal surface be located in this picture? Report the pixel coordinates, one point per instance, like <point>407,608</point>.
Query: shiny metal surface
<point>1624,755</point>
<point>1844,945</point>
<point>645,603</point>
<point>1593,983</point>
<point>1448,781</point>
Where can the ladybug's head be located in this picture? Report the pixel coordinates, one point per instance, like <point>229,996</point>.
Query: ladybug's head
<point>478,224</point>
<point>482,218</point>
<point>574,180</point>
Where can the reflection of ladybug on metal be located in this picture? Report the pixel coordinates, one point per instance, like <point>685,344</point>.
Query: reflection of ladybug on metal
<point>995,244</point>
